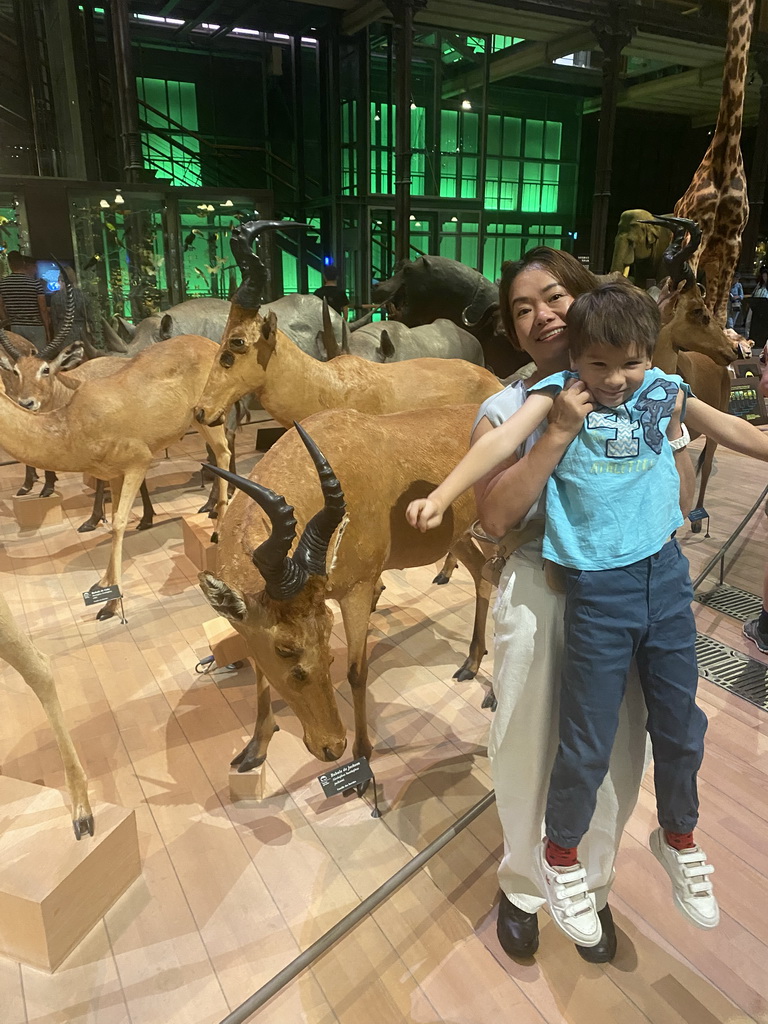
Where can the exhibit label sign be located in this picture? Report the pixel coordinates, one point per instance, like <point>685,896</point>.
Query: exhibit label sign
<point>97,595</point>
<point>353,773</point>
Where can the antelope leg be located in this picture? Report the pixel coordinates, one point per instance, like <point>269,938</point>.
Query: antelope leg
<point>97,512</point>
<point>29,481</point>
<point>473,559</point>
<point>216,438</point>
<point>18,650</point>
<point>124,490</point>
<point>148,512</point>
<point>255,751</point>
<point>355,613</point>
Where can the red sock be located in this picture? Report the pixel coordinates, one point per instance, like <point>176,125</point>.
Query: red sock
<point>560,856</point>
<point>679,840</point>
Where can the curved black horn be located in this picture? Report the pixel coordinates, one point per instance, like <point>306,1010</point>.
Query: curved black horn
<point>312,549</point>
<point>284,578</point>
<point>676,255</point>
<point>62,335</point>
<point>5,341</point>
<point>485,316</point>
<point>248,295</point>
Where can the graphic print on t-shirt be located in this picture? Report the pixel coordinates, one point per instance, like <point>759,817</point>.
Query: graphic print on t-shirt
<point>625,443</point>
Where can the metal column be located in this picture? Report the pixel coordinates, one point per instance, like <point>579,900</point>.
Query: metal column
<point>612,36</point>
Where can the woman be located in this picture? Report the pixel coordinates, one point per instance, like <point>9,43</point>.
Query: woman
<point>535,295</point>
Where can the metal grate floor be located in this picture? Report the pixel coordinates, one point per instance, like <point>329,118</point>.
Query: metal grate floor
<point>739,604</point>
<point>732,670</point>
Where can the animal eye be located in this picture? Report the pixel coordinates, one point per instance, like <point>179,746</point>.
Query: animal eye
<point>236,343</point>
<point>285,652</point>
<point>226,359</point>
<point>45,371</point>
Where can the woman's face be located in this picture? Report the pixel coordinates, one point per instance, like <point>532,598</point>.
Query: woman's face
<point>538,303</point>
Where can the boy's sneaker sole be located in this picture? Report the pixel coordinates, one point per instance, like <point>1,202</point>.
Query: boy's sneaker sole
<point>689,873</point>
<point>751,632</point>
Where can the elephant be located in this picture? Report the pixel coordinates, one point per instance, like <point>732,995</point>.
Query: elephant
<point>432,287</point>
<point>639,248</point>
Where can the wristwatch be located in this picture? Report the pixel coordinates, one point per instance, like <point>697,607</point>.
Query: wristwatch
<point>682,441</point>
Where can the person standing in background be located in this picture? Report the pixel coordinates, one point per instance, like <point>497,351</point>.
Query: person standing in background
<point>23,304</point>
<point>336,296</point>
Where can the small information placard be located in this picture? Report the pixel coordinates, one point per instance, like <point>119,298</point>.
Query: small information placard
<point>98,595</point>
<point>353,773</point>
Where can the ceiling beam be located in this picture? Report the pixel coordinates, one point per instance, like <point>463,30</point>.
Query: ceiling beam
<point>169,8</point>
<point>520,58</point>
<point>646,92</point>
<point>362,15</point>
<point>207,13</point>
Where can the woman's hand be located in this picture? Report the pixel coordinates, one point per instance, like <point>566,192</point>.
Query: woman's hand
<point>570,409</point>
<point>425,514</point>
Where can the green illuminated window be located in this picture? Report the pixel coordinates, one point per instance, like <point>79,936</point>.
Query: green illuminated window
<point>459,142</point>
<point>171,151</point>
<point>349,147</point>
<point>383,120</point>
<point>523,164</point>
<point>503,42</point>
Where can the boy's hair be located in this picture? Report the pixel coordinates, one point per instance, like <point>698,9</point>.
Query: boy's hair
<point>615,314</point>
<point>16,261</point>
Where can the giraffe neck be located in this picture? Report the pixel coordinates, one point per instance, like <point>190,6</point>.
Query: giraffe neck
<point>731,110</point>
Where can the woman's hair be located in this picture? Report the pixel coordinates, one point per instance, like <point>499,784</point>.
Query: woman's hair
<point>566,269</point>
<point>617,314</point>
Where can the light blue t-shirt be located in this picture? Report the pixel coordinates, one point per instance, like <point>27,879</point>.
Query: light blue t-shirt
<point>614,497</point>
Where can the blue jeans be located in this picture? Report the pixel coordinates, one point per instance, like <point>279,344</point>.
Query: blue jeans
<point>640,611</point>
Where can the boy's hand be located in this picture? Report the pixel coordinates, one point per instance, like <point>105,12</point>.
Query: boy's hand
<point>570,409</point>
<point>425,514</point>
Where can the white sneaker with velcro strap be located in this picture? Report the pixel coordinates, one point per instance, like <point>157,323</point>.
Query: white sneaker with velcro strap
<point>691,884</point>
<point>570,903</point>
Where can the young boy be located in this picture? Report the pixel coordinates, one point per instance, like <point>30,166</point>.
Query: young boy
<point>612,508</point>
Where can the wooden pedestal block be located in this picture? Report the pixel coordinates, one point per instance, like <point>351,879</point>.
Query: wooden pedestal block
<point>89,481</point>
<point>247,786</point>
<point>31,511</point>
<point>226,644</point>
<point>53,889</point>
<point>197,542</point>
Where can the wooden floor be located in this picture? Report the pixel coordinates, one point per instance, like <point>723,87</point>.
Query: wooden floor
<point>228,895</point>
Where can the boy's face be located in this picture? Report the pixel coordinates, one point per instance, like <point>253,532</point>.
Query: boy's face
<point>612,374</point>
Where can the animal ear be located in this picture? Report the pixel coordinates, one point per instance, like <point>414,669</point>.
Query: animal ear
<point>68,358</point>
<point>652,233</point>
<point>222,598</point>
<point>268,330</point>
<point>386,347</point>
<point>166,327</point>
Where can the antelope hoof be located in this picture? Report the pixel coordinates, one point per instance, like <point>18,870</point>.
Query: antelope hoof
<point>23,490</point>
<point>466,671</point>
<point>109,609</point>
<point>88,526</point>
<point>83,825</point>
<point>441,578</point>
<point>146,524</point>
<point>247,760</point>
<point>696,527</point>
<point>46,492</point>
<point>215,537</point>
<point>207,507</point>
<point>489,700</point>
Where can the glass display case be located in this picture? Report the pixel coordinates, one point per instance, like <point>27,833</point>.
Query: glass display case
<point>120,242</point>
<point>13,228</point>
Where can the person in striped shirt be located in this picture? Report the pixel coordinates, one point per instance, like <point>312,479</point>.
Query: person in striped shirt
<point>22,303</point>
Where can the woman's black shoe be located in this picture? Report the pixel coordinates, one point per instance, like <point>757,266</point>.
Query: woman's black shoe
<point>518,932</point>
<point>605,950</point>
